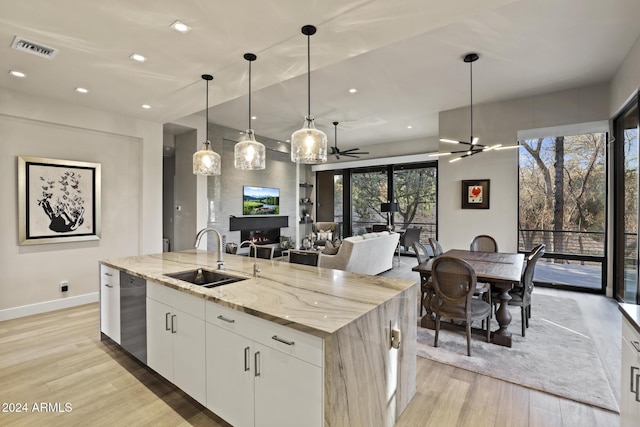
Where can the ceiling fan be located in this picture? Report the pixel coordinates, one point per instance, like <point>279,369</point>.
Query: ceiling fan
<point>351,152</point>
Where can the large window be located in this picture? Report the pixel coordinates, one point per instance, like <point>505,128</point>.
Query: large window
<point>356,196</point>
<point>562,204</point>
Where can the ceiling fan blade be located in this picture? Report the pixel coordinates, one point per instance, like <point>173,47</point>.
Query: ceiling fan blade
<point>351,155</point>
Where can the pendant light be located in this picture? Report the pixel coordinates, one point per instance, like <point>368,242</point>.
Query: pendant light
<point>249,154</point>
<point>309,145</point>
<point>206,161</point>
<point>472,145</point>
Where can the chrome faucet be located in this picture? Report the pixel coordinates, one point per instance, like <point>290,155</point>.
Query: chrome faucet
<point>256,266</point>
<point>204,231</point>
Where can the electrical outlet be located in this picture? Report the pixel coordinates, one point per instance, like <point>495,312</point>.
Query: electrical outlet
<point>64,286</point>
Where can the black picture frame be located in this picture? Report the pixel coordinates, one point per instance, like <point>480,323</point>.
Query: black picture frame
<point>475,194</point>
<point>58,201</point>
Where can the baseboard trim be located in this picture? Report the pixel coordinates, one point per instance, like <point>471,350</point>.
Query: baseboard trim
<point>44,307</point>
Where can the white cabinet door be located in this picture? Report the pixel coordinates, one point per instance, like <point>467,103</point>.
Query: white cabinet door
<point>110,302</point>
<point>630,377</point>
<point>230,376</point>
<point>189,355</point>
<point>159,338</point>
<point>288,391</point>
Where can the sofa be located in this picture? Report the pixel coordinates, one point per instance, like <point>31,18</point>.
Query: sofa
<point>371,253</point>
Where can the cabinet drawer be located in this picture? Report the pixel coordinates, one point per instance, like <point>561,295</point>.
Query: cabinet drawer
<point>176,299</point>
<point>109,275</point>
<point>287,340</point>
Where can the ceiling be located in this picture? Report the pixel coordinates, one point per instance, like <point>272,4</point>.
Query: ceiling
<point>404,58</point>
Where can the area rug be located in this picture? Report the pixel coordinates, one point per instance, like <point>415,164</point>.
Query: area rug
<point>557,355</point>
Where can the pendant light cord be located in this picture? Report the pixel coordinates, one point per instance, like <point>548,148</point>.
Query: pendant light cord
<point>206,136</point>
<point>471,104</point>
<point>309,75</point>
<point>249,95</point>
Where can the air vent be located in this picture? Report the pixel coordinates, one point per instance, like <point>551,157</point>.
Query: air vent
<point>37,49</point>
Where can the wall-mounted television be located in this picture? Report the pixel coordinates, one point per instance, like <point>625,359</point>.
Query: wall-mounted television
<point>260,201</point>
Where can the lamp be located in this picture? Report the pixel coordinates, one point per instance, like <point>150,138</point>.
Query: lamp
<point>309,145</point>
<point>388,208</point>
<point>206,161</point>
<point>473,146</point>
<point>248,154</point>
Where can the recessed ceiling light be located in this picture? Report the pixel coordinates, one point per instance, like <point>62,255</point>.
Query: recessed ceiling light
<point>353,90</point>
<point>82,90</point>
<point>180,27</point>
<point>16,73</point>
<point>288,140</point>
<point>409,127</point>
<point>254,118</point>
<point>146,106</point>
<point>138,57</point>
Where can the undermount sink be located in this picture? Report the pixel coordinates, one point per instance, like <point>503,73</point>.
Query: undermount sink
<point>204,278</point>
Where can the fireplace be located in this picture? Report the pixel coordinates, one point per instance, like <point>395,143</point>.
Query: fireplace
<point>261,237</point>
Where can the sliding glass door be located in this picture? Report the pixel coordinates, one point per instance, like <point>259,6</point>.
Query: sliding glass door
<point>369,189</point>
<point>626,169</point>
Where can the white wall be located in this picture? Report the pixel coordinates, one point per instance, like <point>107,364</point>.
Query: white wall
<point>130,152</point>
<point>626,82</point>
<point>499,123</point>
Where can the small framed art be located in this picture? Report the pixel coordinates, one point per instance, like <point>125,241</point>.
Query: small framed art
<point>475,194</point>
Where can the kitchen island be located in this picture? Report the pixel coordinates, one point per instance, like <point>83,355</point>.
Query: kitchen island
<point>335,327</point>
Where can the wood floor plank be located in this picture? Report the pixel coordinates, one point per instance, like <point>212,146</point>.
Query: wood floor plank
<point>58,357</point>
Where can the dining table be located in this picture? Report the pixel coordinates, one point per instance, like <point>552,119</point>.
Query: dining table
<point>503,270</point>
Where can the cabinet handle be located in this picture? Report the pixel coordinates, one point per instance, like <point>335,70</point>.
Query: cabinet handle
<point>108,274</point>
<point>108,285</point>
<point>636,345</point>
<point>166,321</point>
<point>282,340</point>
<point>256,363</point>
<point>635,386</point>
<point>224,319</point>
<point>174,327</point>
<point>246,359</point>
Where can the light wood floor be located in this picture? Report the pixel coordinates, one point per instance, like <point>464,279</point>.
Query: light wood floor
<point>57,358</point>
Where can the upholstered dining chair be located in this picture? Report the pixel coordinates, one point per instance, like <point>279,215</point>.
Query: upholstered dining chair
<point>435,247</point>
<point>521,296</point>
<point>426,290</point>
<point>454,282</point>
<point>484,243</point>
<point>264,252</point>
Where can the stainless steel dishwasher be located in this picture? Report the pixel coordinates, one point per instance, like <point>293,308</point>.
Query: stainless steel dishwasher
<point>133,315</point>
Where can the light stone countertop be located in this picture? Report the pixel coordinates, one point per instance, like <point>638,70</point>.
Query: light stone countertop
<point>632,313</point>
<point>310,299</point>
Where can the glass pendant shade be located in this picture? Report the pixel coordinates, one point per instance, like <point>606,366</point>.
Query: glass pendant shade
<point>206,161</point>
<point>249,154</point>
<point>309,145</point>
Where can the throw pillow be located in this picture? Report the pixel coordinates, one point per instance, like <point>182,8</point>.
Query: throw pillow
<point>331,247</point>
<point>324,235</point>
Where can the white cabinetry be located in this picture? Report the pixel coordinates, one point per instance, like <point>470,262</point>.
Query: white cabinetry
<point>630,376</point>
<point>260,373</point>
<point>176,338</point>
<point>110,302</point>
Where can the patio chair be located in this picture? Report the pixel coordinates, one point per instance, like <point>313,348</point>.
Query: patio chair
<point>454,282</point>
<point>410,235</point>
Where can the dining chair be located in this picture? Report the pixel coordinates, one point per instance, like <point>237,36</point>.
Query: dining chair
<point>264,252</point>
<point>422,255</point>
<point>454,282</point>
<point>521,296</point>
<point>435,247</point>
<point>379,227</point>
<point>484,243</point>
